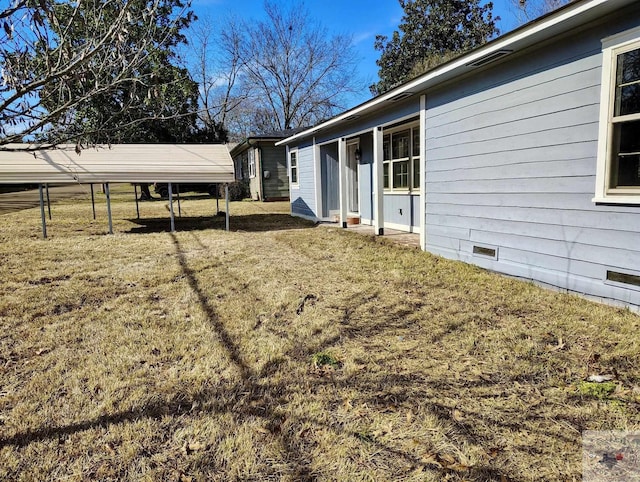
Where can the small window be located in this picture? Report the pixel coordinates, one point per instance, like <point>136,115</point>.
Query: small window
<point>252,162</point>
<point>293,166</point>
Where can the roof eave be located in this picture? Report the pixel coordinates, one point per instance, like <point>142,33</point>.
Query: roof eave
<point>543,27</point>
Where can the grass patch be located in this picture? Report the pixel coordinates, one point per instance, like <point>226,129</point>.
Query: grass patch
<point>148,355</point>
<point>322,359</point>
<point>601,391</point>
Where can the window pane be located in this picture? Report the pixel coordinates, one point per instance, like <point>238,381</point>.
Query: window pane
<point>628,83</point>
<point>626,154</point>
<point>416,142</point>
<point>401,175</point>
<point>386,147</point>
<point>400,145</point>
<point>294,159</point>
<point>628,99</point>
<point>628,67</point>
<point>416,173</point>
<point>386,175</point>
<point>628,139</point>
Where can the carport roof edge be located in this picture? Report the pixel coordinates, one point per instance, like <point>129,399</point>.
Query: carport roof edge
<point>205,163</point>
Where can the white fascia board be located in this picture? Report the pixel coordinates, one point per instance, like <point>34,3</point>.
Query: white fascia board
<point>450,68</point>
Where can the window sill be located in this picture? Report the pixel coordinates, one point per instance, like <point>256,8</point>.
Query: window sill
<point>628,199</point>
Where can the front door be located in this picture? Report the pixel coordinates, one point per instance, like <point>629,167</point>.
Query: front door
<point>353,158</point>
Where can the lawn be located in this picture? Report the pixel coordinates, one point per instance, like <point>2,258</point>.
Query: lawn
<point>287,351</point>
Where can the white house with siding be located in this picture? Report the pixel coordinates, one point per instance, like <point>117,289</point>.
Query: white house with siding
<point>522,156</point>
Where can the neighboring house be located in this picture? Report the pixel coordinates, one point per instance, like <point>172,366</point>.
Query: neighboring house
<point>263,165</point>
<point>522,156</point>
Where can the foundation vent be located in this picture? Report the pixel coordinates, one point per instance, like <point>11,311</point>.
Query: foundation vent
<point>625,278</point>
<point>485,251</point>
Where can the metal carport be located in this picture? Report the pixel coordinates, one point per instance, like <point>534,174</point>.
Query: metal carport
<point>104,164</point>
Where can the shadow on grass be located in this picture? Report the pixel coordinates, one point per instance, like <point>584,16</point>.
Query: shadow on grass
<point>256,397</point>
<point>237,223</point>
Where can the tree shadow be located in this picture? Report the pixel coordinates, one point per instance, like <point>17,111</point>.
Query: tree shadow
<point>237,223</point>
<point>255,396</point>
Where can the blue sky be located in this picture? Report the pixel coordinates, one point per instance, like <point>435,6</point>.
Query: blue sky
<point>362,19</point>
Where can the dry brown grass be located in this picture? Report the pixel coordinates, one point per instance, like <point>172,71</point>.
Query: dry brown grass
<point>155,356</point>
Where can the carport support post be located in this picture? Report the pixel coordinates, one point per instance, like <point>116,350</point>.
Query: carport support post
<point>178,196</point>
<point>107,191</point>
<point>173,223</point>
<point>135,192</point>
<point>378,181</point>
<point>226,214</point>
<point>44,220</point>
<point>48,200</point>
<point>93,203</point>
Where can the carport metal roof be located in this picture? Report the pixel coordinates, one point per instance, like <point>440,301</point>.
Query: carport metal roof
<point>133,163</point>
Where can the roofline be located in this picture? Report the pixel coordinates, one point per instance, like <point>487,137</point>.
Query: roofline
<point>241,146</point>
<point>540,24</point>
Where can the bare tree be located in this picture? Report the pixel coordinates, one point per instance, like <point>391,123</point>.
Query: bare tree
<point>56,55</point>
<point>295,70</point>
<point>282,72</point>
<point>527,10</point>
<point>218,70</point>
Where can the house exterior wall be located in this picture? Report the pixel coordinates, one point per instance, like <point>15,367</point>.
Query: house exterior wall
<point>255,180</point>
<point>303,194</point>
<point>274,160</point>
<point>511,164</point>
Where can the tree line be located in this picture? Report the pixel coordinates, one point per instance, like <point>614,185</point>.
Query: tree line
<point>112,71</point>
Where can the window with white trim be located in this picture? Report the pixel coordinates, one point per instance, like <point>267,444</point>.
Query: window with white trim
<point>252,162</point>
<point>619,143</point>
<point>401,166</point>
<point>293,166</point>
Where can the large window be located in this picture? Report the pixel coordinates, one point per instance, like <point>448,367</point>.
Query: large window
<point>293,166</point>
<point>619,149</point>
<point>401,167</point>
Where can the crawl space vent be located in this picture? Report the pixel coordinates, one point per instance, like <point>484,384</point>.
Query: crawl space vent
<point>626,278</point>
<point>483,251</point>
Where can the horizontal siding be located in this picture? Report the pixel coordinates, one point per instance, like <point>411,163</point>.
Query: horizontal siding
<point>303,201</point>
<point>511,163</point>
<point>402,210</point>
<point>274,160</point>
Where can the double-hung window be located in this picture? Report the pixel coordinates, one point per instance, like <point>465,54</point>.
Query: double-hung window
<point>401,166</point>
<point>618,178</point>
